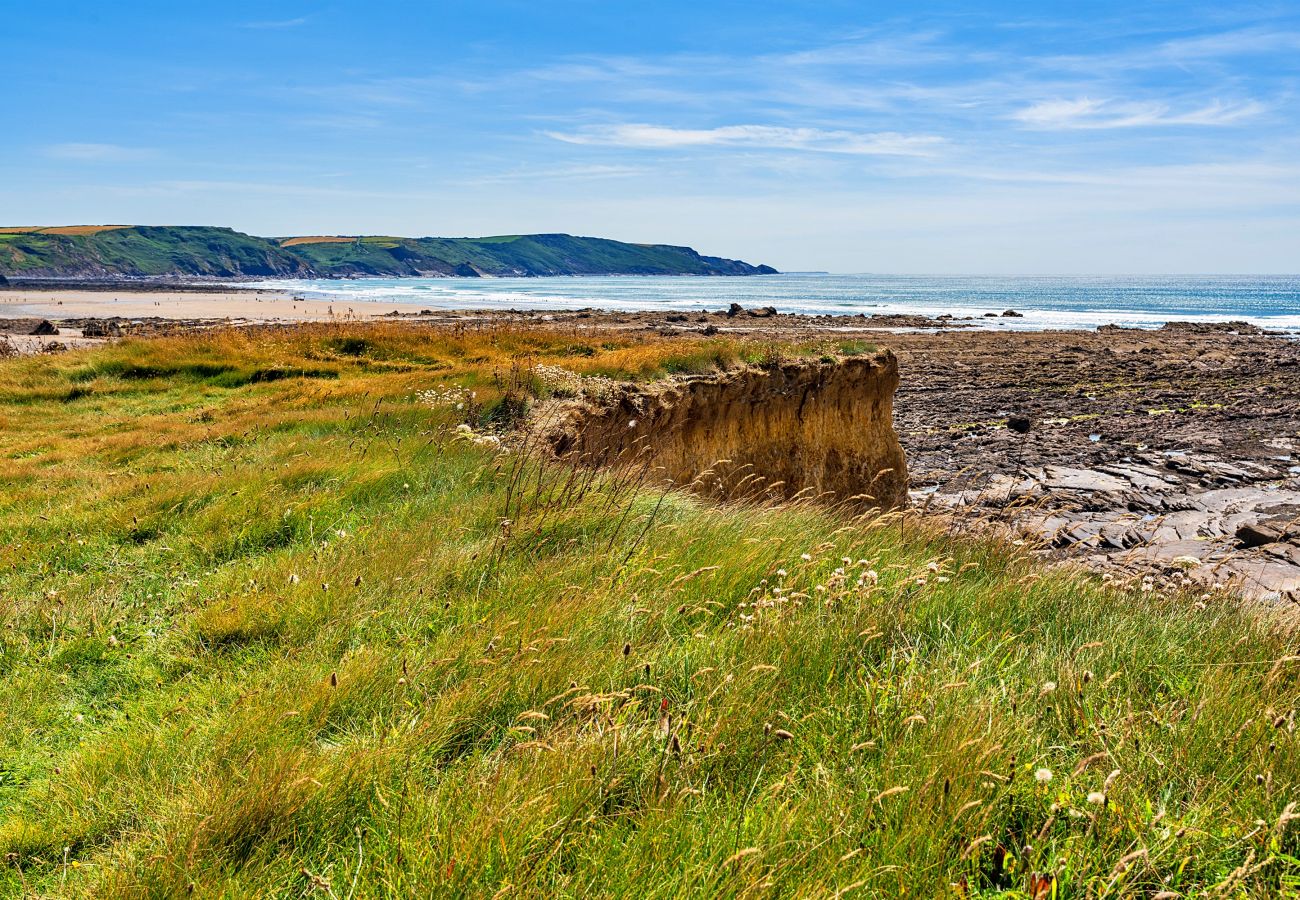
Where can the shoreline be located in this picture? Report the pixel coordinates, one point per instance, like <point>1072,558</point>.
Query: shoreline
<point>188,304</point>
<point>205,304</point>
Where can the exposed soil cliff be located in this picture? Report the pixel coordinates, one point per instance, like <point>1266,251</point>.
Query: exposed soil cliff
<point>819,429</point>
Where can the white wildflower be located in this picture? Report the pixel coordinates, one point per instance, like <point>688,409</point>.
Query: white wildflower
<point>1042,776</point>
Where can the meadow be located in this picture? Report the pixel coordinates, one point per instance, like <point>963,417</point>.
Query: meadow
<point>285,612</point>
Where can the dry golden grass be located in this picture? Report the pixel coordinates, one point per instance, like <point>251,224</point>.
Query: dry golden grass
<point>61,229</point>
<point>317,239</point>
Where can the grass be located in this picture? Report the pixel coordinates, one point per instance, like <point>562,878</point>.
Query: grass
<point>98,251</point>
<point>63,229</point>
<point>298,636</point>
<point>537,254</point>
<point>317,239</point>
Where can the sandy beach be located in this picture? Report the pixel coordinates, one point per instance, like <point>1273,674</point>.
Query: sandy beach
<point>218,303</point>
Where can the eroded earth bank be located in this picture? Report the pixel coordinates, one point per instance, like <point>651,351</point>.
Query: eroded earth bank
<point>819,429</point>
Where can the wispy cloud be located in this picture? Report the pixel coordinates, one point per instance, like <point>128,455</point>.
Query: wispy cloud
<point>368,93</point>
<point>561,173</point>
<point>889,50</point>
<point>99,152</point>
<point>341,122</point>
<point>1088,113</point>
<point>1205,53</point>
<point>772,137</point>
<point>275,24</point>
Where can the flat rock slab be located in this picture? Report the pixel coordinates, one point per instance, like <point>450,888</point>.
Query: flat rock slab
<point>1062,478</point>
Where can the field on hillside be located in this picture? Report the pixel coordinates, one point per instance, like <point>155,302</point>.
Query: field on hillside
<point>62,229</point>
<point>283,616</point>
<point>317,239</point>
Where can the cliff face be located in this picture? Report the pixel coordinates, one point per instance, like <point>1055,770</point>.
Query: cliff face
<point>815,429</point>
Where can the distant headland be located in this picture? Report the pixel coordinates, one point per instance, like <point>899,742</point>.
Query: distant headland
<point>150,252</point>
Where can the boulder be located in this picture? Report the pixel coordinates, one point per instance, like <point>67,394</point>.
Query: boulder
<point>45,328</point>
<point>1012,314</point>
<point>763,312</point>
<point>1256,534</point>
<point>101,328</point>
<point>734,310</point>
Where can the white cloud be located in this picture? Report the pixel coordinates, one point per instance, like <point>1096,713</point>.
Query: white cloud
<point>564,173</point>
<point>1087,113</point>
<point>98,152</point>
<point>892,50</point>
<point>772,137</point>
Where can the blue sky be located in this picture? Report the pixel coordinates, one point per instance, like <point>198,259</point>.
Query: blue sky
<point>851,137</point>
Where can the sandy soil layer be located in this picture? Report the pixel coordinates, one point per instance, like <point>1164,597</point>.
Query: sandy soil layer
<point>1171,456</point>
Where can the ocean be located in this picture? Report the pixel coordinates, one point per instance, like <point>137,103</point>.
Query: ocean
<point>1069,302</point>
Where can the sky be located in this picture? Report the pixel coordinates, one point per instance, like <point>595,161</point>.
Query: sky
<point>923,137</point>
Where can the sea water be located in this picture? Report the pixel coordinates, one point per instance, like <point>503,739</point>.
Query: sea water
<point>1272,301</point>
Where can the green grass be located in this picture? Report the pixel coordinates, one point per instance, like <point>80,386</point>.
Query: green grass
<point>147,251</point>
<point>536,254</point>
<point>295,637</point>
<point>222,252</point>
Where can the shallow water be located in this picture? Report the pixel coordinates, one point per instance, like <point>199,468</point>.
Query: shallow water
<point>1271,301</point>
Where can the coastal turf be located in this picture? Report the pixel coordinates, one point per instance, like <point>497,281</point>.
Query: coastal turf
<point>273,625</point>
<point>110,252</point>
